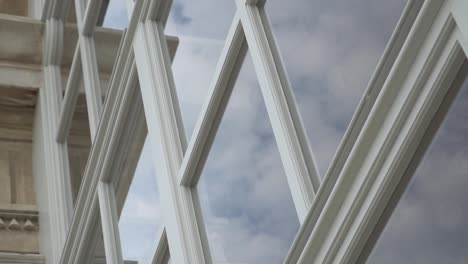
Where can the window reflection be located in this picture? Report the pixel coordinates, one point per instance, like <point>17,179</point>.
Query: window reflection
<point>428,224</point>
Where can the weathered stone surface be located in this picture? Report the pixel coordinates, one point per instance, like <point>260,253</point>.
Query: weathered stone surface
<point>14,7</point>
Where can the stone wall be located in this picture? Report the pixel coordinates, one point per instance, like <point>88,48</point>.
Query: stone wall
<point>18,211</point>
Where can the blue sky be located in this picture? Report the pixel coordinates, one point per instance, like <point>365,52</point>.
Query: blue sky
<point>330,49</point>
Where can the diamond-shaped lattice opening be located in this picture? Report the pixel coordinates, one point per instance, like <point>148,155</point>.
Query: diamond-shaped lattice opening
<point>246,203</point>
<point>428,224</point>
<point>330,50</point>
<point>79,145</point>
<point>201,27</point>
<point>112,19</point>
<point>140,220</point>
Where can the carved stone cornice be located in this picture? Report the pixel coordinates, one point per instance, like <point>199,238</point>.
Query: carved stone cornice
<point>19,218</point>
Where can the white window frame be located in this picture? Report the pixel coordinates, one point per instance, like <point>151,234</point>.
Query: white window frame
<point>338,216</point>
<point>341,222</point>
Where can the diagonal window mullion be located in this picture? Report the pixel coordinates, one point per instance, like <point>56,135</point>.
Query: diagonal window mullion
<point>162,254</point>
<point>122,117</point>
<point>225,76</point>
<point>166,135</point>
<point>301,171</point>
<point>86,18</point>
<point>92,83</point>
<point>70,98</point>
<point>110,222</point>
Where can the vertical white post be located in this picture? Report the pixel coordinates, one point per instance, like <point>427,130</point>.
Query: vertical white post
<point>86,19</point>
<point>57,167</point>
<point>300,168</point>
<point>90,69</point>
<point>72,90</point>
<point>110,223</point>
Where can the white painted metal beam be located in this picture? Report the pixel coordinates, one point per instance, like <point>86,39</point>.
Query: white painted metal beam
<point>362,112</point>
<point>122,117</point>
<point>167,139</point>
<point>70,98</point>
<point>158,10</point>
<point>341,224</point>
<point>106,194</point>
<point>57,9</point>
<point>90,69</point>
<point>161,255</point>
<point>47,9</point>
<point>100,162</point>
<point>90,17</point>
<point>57,167</point>
<point>110,223</point>
<point>300,168</point>
<point>57,175</point>
<point>167,142</point>
<point>225,76</point>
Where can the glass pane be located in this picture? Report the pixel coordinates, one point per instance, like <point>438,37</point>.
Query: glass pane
<point>428,224</point>
<point>245,199</point>
<point>201,34</point>
<point>330,49</point>
<point>140,220</point>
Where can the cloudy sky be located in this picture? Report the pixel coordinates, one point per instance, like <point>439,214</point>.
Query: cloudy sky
<point>330,49</point>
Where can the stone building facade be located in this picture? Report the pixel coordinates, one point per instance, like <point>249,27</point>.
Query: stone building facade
<point>21,78</point>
